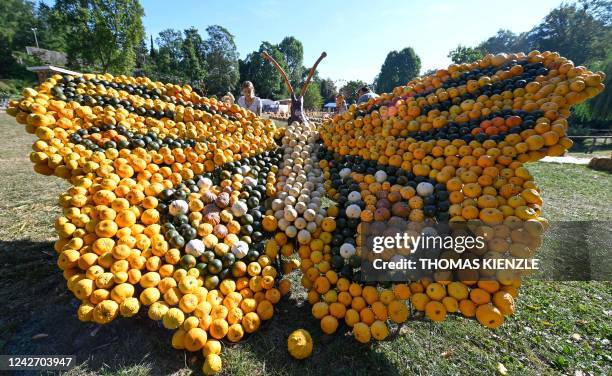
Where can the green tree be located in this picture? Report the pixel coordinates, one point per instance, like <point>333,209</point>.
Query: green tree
<point>51,32</point>
<point>600,9</point>
<point>102,34</point>
<point>328,90</point>
<point>601,105</point>
<point>574,32</point>
<point>142,55</point>
<point>16,21</point>
<point>463,54</point>
<point>222,61</point>
<point>168,56</point>
<point>312,98</point>
<point>349,90</point>
<point>293,54</point>
<point>193,63</point>
<point>399,68</point>
<point>504,41</point>
<point>266,79</point>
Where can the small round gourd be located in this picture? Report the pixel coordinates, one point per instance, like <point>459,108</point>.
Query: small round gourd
<point>177,207</point>
<point>277,204</point>
<point>300,223</point>
<point>344,172</point>
<point>283,224</point>
<point>425,189</point>
<point>204,183</point>
<point>380,176</point>
<point>354,196</point>
<point>347,250</point>
<point>250,181</point>
<point>353,211</point>
<point>239,208</point>
<point>290,213</point>
<point>304,237</point>
<point>310,215</point>
<point>195,247</point>
<point>290,201</point>
<point>291,231</point>
<point>240,249</point>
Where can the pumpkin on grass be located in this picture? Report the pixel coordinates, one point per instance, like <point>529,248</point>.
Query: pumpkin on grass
<point>299,344</point>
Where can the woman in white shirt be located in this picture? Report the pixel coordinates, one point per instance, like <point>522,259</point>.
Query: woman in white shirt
<point>248,99</point>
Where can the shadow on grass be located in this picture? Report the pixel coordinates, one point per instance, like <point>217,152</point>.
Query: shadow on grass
<point>337,354</point>
<point>38,316</point>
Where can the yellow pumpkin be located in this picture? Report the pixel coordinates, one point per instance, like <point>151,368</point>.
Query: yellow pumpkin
<point>299,344</point>
<point>212,364</point>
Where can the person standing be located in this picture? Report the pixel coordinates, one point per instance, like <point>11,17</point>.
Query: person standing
<point>365,94</point>
<point>341,106</point>
<point>248,99</point>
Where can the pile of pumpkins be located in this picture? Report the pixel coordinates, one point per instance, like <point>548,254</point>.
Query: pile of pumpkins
<point>190,210</point>
<point>163,216</point>
<point>448,147</point>
<point>297,205</point>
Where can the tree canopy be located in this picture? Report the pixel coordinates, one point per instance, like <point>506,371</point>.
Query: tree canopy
<point>103,34</point>
<point>108,36</point>
<point>193,62</point>
<point>166,61</point>
<point>349,90</point>
<point>293,54</point>
<point>574,32</point>
<point>312,98</point>
<point>463,54</point>
<point>399,68</point>
<point>266,79</point>
<point>328,90</point>
<point>221,60</point>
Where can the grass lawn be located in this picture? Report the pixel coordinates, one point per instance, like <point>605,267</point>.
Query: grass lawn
<point>559,328</point>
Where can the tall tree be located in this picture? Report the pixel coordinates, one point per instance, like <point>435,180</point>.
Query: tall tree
<point>328,89</point>
<point>193,64</point>
<point>50,30</point>
<point>103,34</point>
<point>399,68</point>
<point>152,51</point>
<point>312,98</point>
<point>142,55</point>
<point>463,54</point>
<point>601,105</point>
<point>349,90</point>
<point>293,53</point>
<point>600,9</point>
<point>222,61</point>
<point>16,21</point>
<point>168,57</point>
<point>266,79</point>
<point>574,32</point>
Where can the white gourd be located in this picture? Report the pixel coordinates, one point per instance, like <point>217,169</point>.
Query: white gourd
<point>347,250</point>
<point>195,247</point>
<point>177,207</point>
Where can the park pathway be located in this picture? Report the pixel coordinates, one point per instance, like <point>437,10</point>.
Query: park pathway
<point>567,159</point>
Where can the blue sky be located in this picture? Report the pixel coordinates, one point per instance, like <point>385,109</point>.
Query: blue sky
<point>357,35</point>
